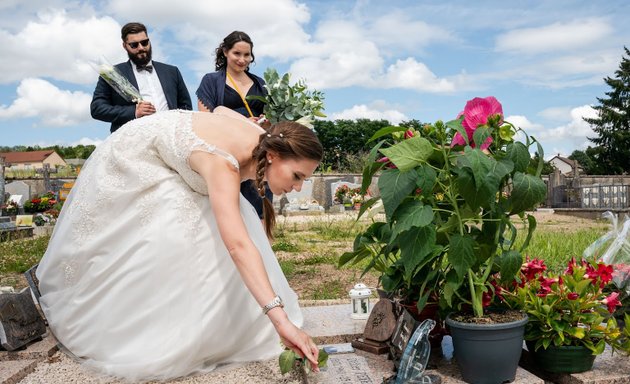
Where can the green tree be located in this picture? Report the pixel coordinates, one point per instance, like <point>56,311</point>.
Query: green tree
<point>547,167</point>
<point>346,140</point>
<point>612,125</point>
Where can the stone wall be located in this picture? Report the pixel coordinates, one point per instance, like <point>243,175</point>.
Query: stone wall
<point>38,187</point>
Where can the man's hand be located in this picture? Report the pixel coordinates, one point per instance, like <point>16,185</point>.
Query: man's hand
<point>144,108</point>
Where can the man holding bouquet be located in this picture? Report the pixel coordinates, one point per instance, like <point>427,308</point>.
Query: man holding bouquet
<point>161,86</point>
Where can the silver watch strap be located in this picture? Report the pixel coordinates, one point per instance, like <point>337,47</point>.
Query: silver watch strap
<point>276,302</point>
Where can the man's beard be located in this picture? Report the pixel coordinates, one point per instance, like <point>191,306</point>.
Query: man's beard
<point>140,61</point>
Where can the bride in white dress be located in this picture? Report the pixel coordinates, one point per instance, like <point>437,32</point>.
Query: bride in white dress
<point>158,267</point>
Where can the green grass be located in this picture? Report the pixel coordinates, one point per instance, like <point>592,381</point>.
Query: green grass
<point>558,247</point>
<point>329,290</point>
<point>309,252</point>
<point>286,246</point>
<point>18,256</point>
<point>288,267</point>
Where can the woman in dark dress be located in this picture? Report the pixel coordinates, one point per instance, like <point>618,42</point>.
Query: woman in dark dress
<point>229,86</point>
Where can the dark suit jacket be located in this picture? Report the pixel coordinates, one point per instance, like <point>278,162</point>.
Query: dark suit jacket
<point>107,105</point>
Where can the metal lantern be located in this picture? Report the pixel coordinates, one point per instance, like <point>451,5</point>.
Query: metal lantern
<point>360,296</point>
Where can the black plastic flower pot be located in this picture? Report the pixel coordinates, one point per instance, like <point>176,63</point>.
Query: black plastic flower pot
<point>487,353</point>
<point>563,359</point>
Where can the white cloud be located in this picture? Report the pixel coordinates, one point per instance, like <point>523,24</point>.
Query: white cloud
<point>87,141</point>
<point>562,36</point>
<point>59,47</point>
<point>401,32</point>
<point>556,113</point>
<point>411,74</point>
<point>364,112</point>
<point>572,135</point>
<point>53,106</point>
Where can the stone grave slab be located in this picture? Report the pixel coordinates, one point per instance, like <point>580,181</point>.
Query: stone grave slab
<point>345,369</point>
<point>331,321</point>
<point>11,372</point>
<point>36,350</point>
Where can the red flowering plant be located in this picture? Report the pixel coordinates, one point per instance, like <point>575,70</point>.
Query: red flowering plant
<point>449,192</point>
<point>42,203</point>
<point>572,308</point>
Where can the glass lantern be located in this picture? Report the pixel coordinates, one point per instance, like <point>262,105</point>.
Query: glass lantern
<point>360,297</point>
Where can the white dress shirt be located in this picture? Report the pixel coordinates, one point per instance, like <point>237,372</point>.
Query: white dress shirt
<point>150,88</point>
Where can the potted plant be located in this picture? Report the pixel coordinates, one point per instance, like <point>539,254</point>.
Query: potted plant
<point>449,192</point>
<point>571,314</point>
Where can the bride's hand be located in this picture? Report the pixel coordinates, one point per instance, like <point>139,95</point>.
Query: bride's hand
<point>294,338</point>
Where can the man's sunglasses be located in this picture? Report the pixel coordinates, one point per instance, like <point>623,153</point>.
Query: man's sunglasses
<point>134,45</point>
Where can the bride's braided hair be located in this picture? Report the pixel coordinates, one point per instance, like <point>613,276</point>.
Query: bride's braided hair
<point>289,140</point>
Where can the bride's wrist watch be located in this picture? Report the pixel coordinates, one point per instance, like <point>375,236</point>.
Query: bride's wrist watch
<point>276,302</point>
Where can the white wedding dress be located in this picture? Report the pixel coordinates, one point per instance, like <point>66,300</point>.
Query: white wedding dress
<point>136,281</point>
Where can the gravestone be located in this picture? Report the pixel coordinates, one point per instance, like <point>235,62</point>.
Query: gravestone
<point>378,329</point>
<point>1,180</point>
<point>20,321</point>
<point>405,326</point>
<point>302,202</point>
<point>45,172</point>
<point>19,188</point>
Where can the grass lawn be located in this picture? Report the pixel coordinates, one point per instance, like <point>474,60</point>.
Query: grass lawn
<point>308,250</point>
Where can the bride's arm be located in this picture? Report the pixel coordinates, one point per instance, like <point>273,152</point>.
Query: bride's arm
<point>223,182</point>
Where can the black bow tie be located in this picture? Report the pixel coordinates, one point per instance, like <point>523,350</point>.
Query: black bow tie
<point>148,68</point>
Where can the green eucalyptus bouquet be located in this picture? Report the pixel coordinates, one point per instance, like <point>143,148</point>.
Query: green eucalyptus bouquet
<point>290,102</point>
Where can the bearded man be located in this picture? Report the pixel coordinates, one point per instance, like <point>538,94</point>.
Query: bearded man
<point>161,85</point>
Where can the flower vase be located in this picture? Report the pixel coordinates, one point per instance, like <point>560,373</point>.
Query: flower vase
<point>562,359</point>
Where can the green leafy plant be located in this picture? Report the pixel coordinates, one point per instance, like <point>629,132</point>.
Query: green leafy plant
<point>290,102</point>
<point>449,192</point>
<point>572,308</point>
<point>290,360</point>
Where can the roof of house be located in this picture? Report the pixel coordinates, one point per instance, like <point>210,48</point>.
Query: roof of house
<point>25,157</point>
<point>572,163</point>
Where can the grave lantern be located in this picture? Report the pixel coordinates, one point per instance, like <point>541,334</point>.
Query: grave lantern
<point>360,296</point>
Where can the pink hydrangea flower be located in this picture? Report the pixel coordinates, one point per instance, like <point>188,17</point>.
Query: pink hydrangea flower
<point>476,114</point>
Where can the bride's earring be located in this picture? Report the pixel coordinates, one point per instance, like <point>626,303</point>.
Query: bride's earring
<point>269,161</point>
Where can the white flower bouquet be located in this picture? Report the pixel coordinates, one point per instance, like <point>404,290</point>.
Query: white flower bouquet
<point>116,80</point>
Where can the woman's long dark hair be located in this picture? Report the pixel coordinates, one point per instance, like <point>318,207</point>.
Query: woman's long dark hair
<point>289,140</point>
<point>227,44</point>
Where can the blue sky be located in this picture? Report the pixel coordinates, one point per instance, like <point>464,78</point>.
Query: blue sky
<point>544,60</point>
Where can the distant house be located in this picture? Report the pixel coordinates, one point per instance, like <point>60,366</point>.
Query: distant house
<point>32,159</point>
<point>566,166</point>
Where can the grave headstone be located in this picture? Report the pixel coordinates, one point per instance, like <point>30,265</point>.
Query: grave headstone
<point>2,180</point>
<point>45,172</point>
<point>20,320</point>
<point>378,329</point>
<point>405,326</point>
<point>19,188</point>
<point>302,201</point>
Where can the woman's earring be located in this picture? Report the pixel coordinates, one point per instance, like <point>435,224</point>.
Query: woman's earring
<point>269,161</point>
